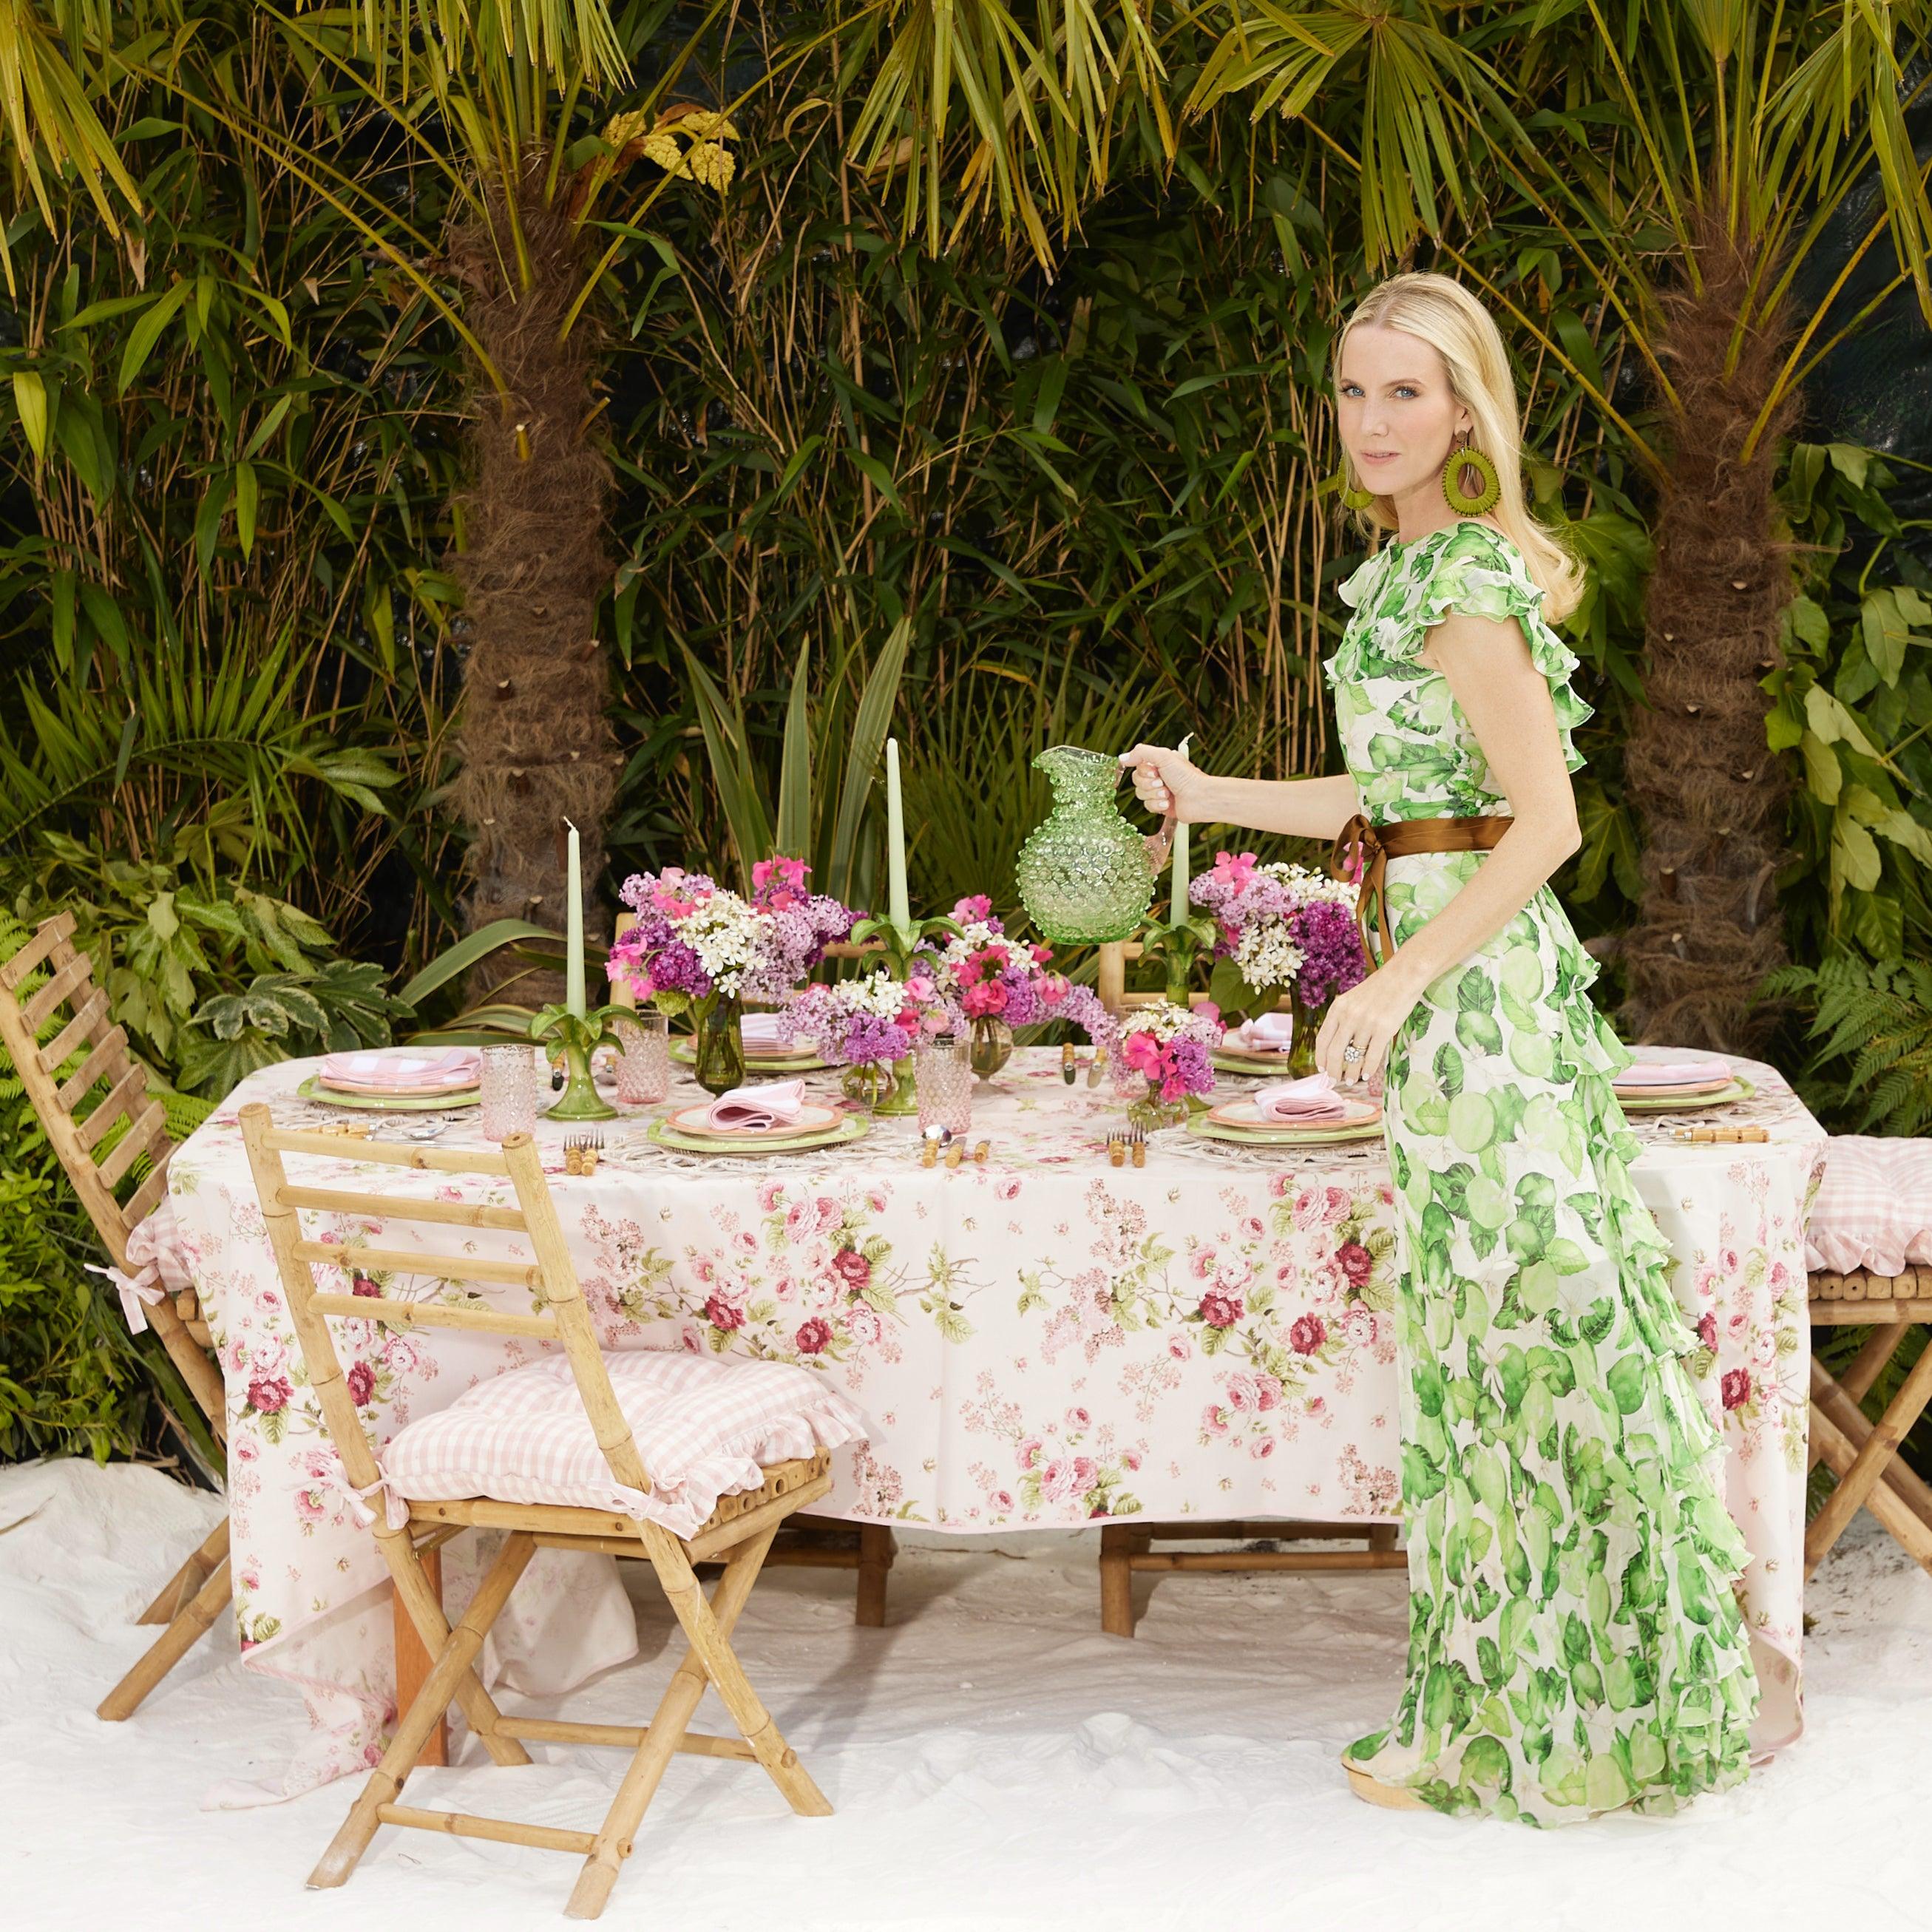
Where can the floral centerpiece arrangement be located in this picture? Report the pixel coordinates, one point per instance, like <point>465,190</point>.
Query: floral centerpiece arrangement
<point>1164,1050</point>
<point>995,983</point>
<point>869,1027</point>
<point>1283,929</point>
<point>701,949</point>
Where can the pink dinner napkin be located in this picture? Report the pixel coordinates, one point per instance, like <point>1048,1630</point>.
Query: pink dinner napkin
<point>1672,1072</point>
<point>403,1069</point>
<point>1312,1097</point>
<point>766,1030</point>
<point>1266,1032</point>
<point>770,1103</point>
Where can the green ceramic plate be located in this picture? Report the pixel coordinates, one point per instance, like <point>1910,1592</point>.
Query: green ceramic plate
<point>803,1061</point>
<point>1258,1067</point>
<point>1740,1089</point>
<point>312,1089</point>
<point>1204,1129</point>
<point>852,1128</point>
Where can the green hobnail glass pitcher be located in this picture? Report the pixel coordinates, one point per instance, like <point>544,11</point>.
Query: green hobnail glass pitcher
<point>1084,873</point>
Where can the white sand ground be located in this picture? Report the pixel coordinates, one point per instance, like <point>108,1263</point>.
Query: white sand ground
<point>995,1762</point>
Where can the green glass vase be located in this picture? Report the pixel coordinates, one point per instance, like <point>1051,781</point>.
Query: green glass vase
<point>884,1087</point>
<point>1301,1046</point>
<point>718,1053</point>
<point>1083,875</point>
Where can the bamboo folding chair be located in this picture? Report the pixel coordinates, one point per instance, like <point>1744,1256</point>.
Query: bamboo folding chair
<point>46,974</point>
<point>739,1530</point>
<point>1862,1454</point>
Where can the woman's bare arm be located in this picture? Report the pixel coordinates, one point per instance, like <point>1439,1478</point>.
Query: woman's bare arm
<point>1167,783</point>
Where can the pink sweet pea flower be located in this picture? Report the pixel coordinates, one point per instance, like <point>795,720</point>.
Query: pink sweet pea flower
<point>1235,870</point>
<point>970,910</point>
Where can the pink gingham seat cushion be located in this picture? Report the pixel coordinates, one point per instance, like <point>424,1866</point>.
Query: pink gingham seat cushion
<point>1873,1208</point>
<point>703,1428</point>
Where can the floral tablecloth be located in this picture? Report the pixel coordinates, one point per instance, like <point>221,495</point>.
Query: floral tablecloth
<point>1041,1341</point>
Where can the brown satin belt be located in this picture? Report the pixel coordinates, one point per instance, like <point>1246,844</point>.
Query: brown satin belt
<point>1399,839</point>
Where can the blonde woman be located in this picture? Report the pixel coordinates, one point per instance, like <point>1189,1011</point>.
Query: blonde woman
<point>1575,1645</point>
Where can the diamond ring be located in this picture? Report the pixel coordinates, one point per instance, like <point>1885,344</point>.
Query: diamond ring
<point>1351,1052</point>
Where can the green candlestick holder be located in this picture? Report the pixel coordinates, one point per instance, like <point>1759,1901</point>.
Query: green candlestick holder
<point>580,1099</point>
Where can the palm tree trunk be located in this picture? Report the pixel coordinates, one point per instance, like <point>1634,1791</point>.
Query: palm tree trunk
<point>1709,793</point>
<point>536,746</point>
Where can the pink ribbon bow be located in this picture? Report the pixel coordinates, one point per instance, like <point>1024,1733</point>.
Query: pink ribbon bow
<point>395,1510</point>
<point>138,1292</point>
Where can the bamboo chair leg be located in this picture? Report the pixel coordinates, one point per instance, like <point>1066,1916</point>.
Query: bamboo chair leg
<point>1880,1345</point>
<point>727,1677</point>
<point>675,1710</point>
<point>455,1656</point>
<point>1879,1447</point>
<point>413,1659</point>
<point>185,1584</point>
<point>423,1602</point>
<point>169,1649</point>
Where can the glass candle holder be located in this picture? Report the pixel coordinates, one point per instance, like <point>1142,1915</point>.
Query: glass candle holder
<point>643,1067</point>
<point>942,1079</point>
<point>507,1090</point>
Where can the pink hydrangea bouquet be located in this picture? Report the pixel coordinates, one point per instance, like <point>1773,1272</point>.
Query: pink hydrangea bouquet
<point>1283,929</point>
<point>992,983</point>
<point>695,941</point>
<point>1165,1050</point>
<point>870,1022</point>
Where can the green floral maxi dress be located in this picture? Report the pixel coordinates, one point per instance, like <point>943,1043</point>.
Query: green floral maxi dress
<point>1575,1643</point>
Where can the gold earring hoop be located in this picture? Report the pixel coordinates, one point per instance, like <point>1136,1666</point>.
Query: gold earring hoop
<point>1489,488</point>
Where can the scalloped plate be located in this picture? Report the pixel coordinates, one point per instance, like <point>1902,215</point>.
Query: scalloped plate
<point>1205,1128</point>
<point>853,1127</point>
<point>312,1089</point>
<point>1740,1089</point>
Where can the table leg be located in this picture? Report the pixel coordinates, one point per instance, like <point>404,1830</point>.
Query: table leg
<point>877,1547</point>
<point>1118,1546</point>
<point>413,1663</point>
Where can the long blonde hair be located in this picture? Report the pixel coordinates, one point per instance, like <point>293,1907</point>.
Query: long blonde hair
<point>1443,314</point>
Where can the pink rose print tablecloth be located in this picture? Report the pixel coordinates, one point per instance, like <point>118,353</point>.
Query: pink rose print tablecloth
<point>1041,1341</point>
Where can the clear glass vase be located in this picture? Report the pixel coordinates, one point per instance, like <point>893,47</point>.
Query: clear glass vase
<point>1150,1114</point>
<point>717,1053</point>
<point>1084,873</point>
<point>990,1045</point>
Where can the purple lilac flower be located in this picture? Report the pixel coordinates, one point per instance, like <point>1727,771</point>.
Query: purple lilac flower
<point>1331,945</point>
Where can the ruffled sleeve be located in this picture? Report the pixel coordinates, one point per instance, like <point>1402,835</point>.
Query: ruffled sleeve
<point>1480,573</point>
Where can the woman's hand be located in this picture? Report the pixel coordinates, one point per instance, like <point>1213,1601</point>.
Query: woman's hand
<point>1368,1015</point>
<point>1168,784</point>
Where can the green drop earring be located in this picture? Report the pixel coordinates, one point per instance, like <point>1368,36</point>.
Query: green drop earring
<point>1489,490</point>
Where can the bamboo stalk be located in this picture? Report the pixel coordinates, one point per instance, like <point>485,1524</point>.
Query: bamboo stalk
<point>58,1050</point>
<point>122,1098</point>
<point>440,1160</point>
<point>150,1130</point>
<point>558,1730</point>
<point>502,1830</point>
<point>455,1213</point>
<point>39,946</point>
<point>400,1261</point>
<point>432,1315</point>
